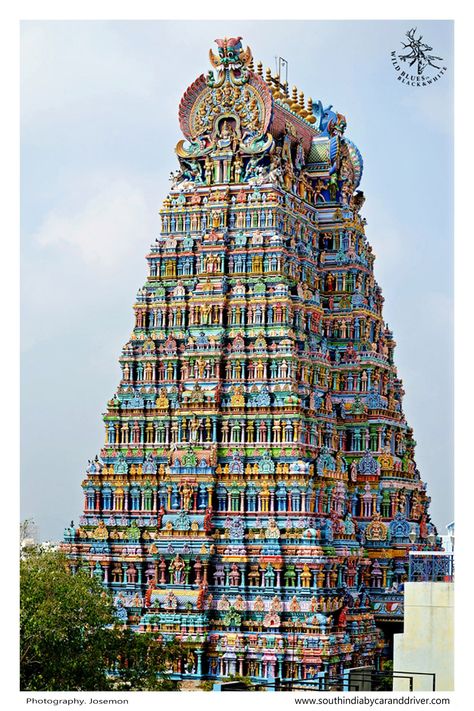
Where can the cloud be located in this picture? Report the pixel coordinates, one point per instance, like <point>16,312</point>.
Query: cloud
<point>86,255</point>
<point>66,65</point>
<point>431,109</point>
<point>105,229</point>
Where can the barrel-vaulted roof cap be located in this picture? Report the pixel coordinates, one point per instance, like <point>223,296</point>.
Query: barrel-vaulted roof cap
<point>260,109</point>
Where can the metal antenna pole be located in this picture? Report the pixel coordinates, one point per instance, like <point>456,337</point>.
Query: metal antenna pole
<point>282,63</point>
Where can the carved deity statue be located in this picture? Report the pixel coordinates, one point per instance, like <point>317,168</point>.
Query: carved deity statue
<point>176,567</point>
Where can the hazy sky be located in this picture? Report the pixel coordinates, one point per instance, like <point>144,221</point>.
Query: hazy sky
<point>99,124</point>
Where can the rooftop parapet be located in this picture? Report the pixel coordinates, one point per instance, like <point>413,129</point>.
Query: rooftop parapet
<point>430,566</point>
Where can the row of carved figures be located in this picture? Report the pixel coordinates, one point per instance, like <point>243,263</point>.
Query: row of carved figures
<point>346,242</point>
<point>360,504</point>
<point>255,314</point>
<point>342,280</point>
<point>255,367</point>
<point>184,571</point>
<point>262,430</point>
<point>252,216</point>
<point>251,314</point>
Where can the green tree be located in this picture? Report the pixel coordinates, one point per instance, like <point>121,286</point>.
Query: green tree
<point>141,661</point>
<point>28,534</point>
<point>28,530</point>
<point>386,677</point>
<point>70,639</point>
<point>63,618</point>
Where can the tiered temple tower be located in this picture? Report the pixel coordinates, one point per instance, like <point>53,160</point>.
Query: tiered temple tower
<point>257,493</point>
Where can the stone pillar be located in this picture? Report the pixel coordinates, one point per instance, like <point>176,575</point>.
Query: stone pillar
<point>198,662</point>
<point>280,667</point>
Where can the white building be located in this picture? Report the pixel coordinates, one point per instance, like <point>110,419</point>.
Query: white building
<point>423,656</point>
<point>448,539</point>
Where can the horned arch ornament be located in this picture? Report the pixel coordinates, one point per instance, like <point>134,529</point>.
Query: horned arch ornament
<point>257,492</point>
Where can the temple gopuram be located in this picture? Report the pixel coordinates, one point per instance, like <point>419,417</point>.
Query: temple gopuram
<point>257,493</point>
